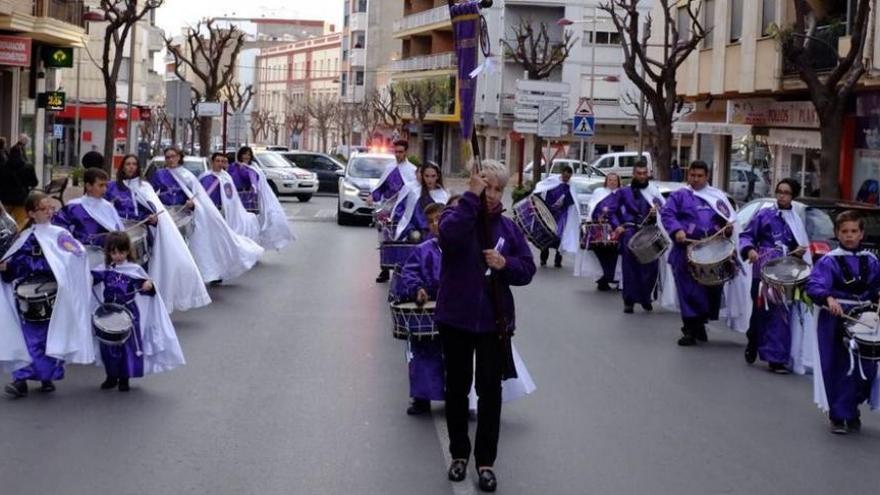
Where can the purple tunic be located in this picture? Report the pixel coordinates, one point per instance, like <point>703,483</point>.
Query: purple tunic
<point>123,361</point>
<point>559,199</point>
<point>422,271</point>
<point>639,280</point>
<point>30,260</point>
<point>389,187</point>
<point>766,232</point>
<point>464,300</point>
<point>844,391</point>
<point>167,188</point>
<point>684,211</point>
<point>81,225</point>
<point>607,255</point>
<point>125,204</point>
<point>208,182</point>
<point>418,220</point>
<point>246,181</point>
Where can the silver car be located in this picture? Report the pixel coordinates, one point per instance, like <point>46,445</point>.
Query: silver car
<point>284,178</point>
<point>361,175</point>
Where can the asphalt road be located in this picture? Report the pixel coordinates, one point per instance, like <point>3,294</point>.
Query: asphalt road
<point>295,386</point>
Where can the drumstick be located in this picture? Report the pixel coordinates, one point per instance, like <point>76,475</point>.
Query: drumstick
<point>847,317</point>
<point>143,221</point>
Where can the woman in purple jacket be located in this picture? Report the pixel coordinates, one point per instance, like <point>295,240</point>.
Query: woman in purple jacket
<point>473,281</point>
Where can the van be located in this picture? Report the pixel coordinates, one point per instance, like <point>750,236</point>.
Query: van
<point>621,163</point>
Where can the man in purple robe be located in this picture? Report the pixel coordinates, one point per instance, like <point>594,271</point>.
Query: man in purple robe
<point>687,216</point>
<point>475,283</point>
<point>392,181</point>
<point>766,237</point>
<point>91,217</point>
<point>559,199</point>
<point>636,205</point>
<point>847,278</point>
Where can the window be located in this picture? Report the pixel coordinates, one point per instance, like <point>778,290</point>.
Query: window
<point>362,6</point>
<point>736,19</point>
<point>684,24</point>
<point>606,162</point>
<point>768,15</point>
<point>618,148</point>
<point>600,149</point>
<point>602,38</point>
<point>359,78</point>
<point>709,22</point>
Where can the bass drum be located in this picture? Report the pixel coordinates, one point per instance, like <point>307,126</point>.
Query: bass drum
<point>863,328</point>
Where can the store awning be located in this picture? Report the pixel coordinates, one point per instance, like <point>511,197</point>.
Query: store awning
<point>792,138</point>
<point>717,128</point>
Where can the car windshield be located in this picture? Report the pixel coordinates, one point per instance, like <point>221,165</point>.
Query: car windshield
<point>368,167</point>
<point>271,160</point>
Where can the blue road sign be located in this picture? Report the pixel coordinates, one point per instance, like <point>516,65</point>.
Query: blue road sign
<point>583,126</point>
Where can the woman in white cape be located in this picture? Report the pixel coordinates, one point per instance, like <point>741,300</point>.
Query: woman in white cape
<point>409,211</point>
<point>221,189</point>
<point>275,233</point>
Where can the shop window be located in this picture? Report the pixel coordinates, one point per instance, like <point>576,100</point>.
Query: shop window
<point>768,16</point>
<point>736,19</point>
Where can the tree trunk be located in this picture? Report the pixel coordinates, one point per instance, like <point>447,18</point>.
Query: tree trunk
<point>420,143</point>
<point>205,129</point>
<point>110,125</point>
<point>829,159</point>
<point>536,159</point>
<point>663,152</point>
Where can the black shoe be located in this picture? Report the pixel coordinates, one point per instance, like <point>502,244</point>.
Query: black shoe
<point>557,261</point>
<point>854,425</point>
<point>543,262</point>
<point>838,427</point>
<point>751,354</point>
<point>488,482</point>
<point>687,341</point>
<point>628,309</point>
<point>457,470</point>
<point>778,368</point>
<point>700,334</point>
<point>603,286</point>
<point>215,283</point>
<point>383,277</point>
<point>47,386</point>
<point>109,383</point>
<point>123,385</point>
<point>419,406</point>
<point>648,307</point>
<point>17,389</point>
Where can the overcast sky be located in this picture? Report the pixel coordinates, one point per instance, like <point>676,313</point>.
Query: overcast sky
<point>176,13</point>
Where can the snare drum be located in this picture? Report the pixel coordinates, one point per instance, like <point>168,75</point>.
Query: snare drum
<point>414,321</point>
<point>712,262</point>
<point>140,245</point>
<point>785,274</point>
<point>35,296</point>
<point>864,329</point>
<point>648,244</point>
<point>183,218</point>
<point>394,254</point>
<point>597,235</point>
<point>536,221</point>
<point>112,324</point>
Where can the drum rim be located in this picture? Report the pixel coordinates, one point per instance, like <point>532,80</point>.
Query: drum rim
<point>36,297</point>
<point>777,261</point>
<point>720,241</point>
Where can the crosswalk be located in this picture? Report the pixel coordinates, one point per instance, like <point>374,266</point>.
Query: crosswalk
<point>311,215</point>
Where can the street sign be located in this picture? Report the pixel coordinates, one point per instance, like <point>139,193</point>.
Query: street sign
<point>584,108</point>
<point>209,109</point>
<point>583,126</point>
<point>526,113</point>
<point>535,99</point>
<point>532,128</point>
<point>58,57</point>
<point>58,131</point>
<point>550,120</point>
<point>52,101</point>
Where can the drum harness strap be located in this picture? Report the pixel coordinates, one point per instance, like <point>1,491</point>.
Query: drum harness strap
<point>857,284</point>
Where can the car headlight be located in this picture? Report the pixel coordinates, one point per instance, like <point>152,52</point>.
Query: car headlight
<point>302,175</point>
<point>349,189</point>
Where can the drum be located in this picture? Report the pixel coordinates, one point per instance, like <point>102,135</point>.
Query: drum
<point>383,213</point>
<point>140,245</point>
<point>35,296</point>
<point>413,322</point>
<point>112,324</point>
<point>864,329</point>
<point>95,255</point>
<point>785,274</point>
<point>394,254</point>
<point>648,244</point>
<point>712,262</point>
<point>533,217</point>
<point>183,218</point>
<point>597,235</point>
<point>386,232</point>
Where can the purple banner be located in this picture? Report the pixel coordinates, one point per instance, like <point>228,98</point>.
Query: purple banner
<point>465,35</point>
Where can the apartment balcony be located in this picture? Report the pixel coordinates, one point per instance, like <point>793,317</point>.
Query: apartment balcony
<point>826,52</point>
<point>358,21</point>
<point>437,61</point>
<point>54,22</point>
<point>427,20</point>
<point>70,12</point>
<point>357,57</point>
<point>155,39</point>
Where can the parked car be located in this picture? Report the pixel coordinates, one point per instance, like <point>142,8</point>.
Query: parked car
<point>195,164</point>
<point>348,151</point>
<point>361,176</point>
<point>741,178</point>
<point>284,178</point>
<point>578,167</point>
<point>327,168</point>
<point>818,215</point>
<point>621,163</point>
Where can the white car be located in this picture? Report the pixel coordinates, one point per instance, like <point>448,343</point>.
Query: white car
<point>578,167</point>
<point>284,178</point>
<point>361,175</point>
<point>741,175</point>
<point>195,164</point>
<point>621,163</point>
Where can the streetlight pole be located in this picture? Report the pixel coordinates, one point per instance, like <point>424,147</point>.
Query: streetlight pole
<point>592,81</point>
<point>131,51</point>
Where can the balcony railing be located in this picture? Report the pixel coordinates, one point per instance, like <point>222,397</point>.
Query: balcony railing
<point>425,62</point>
<point>825,50</point>
<point>424,18</point>
<point>69,11</point>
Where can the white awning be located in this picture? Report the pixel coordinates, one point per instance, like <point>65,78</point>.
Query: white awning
<point>795,138</point>
<point>716,128</point>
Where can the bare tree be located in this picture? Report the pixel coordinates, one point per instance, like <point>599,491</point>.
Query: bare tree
<point>655,77</point>
<point>367,118</point>
<point>120,16</point>
<point>388,107</point>
<point>238,97</point>
<point>296,118</point>
<point>345,120</point>
<point>259,121</point>
<point>322,110</point>
<point>420,97</point>
<point>210,52</point>
<point>805,46</point>
<point>532,48</point>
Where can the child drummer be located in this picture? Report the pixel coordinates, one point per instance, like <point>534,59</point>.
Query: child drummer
<point>844,279</point>
<point>125,283</point>
<point>38,336</point>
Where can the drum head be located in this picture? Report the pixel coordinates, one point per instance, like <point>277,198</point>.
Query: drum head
<point>36,286</point>
<point>711,252</point>
<point>135,233</point>
<point>544,212</point>
<point>787,269</point>
<point>645,236</point>
<point>112,318</point>
<point>411,307</point>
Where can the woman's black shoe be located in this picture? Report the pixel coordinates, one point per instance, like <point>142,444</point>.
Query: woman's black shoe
<point>488,482</point>
<point>47,386</point>
<point>778,368</point>
<point>687,341</point>
<point>603,286</point>
<point>109,383</point>
<point>751,354</point>
<point>383,277</point>
<point>17,389</point>
<point>648,307</point>
<point>457,470</point>
<point>854,425</point>
<point>419,406</point>
<point>838,427</point>
<point>123,385</point>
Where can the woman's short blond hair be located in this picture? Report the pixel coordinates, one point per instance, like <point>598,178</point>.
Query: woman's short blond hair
<point>495,169</point>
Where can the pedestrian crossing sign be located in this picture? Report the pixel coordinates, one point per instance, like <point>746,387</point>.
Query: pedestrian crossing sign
<point>583,126</point>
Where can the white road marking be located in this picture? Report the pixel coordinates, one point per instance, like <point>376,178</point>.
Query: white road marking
<point>465,487</point>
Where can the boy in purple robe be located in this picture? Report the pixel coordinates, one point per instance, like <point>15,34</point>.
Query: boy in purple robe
<point>636,205</point>
<point>419,281</point>
<point>689,217</point>
<point>766,237</point>
<point>475,314</point>
<point>91,217</point>
<point>846,278</point>
<point>392,181</point>
<point>125,361</point>
<point>246,180</point>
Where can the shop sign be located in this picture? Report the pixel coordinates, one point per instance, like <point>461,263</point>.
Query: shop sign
<point>15,50</point>
<point>769,113</point>
<point>795,139</point>
<point>58,57</point>
<point>52,101</point>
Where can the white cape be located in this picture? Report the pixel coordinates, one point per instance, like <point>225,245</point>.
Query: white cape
<point>275,232</point>
<point>172,267</point>
<point>220,253</point>
<point>513,388</point>
<point>586,263</point>
<point>570,241</point>
<point>101,211</point>
<point>70,328</point>
<point>407,173</point>
<point>160,347</point>
<point>241,221</point>
<point>411,194</point>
